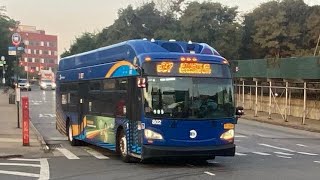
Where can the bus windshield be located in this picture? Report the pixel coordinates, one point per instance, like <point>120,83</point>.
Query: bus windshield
<point>189,98</point>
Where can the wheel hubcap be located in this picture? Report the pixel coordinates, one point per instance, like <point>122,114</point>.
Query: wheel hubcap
<point>123,145</point>
<point>70,134</point>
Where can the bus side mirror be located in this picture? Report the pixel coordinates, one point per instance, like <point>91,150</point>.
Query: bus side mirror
<point>239,111</point>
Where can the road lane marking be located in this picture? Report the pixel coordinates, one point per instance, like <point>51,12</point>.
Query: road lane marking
<point>286,157</point>
<point>317,162</point>
<point>19,164</point>
<point>262,153</point>
<point>190,165</point>
<point>44,170</point>
<point>67,153</point>
<point>275,147</point>
<point>240,154</point>
<point>240,136</point>
<point>95,153</point>
<point>306,153</point>
<point>47,115</point>
<point>21,159</point>
<point>19,173</point>
<point>282,153</point>
<point>212,161</point>
<point>301,145</point>
<point>209,173</point>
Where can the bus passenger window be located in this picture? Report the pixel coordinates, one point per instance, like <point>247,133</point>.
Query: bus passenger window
<point>121,108</point>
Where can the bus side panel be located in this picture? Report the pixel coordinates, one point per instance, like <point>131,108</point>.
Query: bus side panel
<point>100,131</point>
<point>61,107</point>
<point>135,140</point>
<point>60,115</point>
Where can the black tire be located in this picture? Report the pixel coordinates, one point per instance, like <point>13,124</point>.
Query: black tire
<point>73,142</point>
<point>122,147</point>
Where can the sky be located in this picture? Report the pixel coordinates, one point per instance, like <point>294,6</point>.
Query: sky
<point>68,19</point>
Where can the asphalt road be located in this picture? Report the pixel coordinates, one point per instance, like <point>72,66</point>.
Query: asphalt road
<point>264,152</point>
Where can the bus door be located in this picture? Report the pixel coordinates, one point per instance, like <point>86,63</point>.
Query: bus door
<point>83,104</point>
<point>134,116</point>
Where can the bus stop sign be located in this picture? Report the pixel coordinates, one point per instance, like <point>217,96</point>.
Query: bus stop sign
<point>16,39</point>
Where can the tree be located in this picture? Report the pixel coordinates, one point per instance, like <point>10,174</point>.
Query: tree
<point>85,42</point>
<point>313,27</point>
<point>143,22</point>
<point>214,24</point>
<point>6,25</point>
<point>279,29</point>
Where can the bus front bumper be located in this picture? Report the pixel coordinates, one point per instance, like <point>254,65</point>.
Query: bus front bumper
<point>151,151</point>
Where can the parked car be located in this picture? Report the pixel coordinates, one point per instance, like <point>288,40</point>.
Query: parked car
<point>47,84</point>
<point>24,84</point>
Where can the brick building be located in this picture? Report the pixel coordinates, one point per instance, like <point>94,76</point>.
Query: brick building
<point>41,50</point>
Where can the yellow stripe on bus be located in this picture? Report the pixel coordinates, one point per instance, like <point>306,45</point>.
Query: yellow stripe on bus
<point>116,66</point>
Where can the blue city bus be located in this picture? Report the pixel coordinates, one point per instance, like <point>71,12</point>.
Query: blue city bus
<point>148,99</point>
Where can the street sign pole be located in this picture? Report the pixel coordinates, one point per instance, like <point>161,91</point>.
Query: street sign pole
<point>16,39</point>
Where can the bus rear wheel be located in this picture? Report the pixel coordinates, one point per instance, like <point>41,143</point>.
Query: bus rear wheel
<point>73,141</point>
<point>122,143</point>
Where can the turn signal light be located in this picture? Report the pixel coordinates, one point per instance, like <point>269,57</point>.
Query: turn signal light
<point>228,126</point>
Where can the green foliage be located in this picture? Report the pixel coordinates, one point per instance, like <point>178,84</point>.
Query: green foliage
<point>274,29</point>
<point>85,42</point>
<point>7,24</point>
<point>281,29</point>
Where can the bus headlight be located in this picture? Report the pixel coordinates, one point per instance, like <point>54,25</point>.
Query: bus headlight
<point>228,135</point>
<point>54,85</point>
<point>149,134</point>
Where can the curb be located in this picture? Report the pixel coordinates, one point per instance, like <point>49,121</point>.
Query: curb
<point>282,124</point>
<point>10,156</point>
<point>40,138</point>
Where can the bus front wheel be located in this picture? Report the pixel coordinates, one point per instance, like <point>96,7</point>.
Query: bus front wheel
<point>122,143</point>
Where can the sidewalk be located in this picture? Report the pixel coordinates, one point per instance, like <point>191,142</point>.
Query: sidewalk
<point>276,119</point>
<point>11,136</point>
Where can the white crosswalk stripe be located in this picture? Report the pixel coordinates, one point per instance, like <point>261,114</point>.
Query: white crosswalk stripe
<point>306,153</point>
<point>95,153</point>
<point>240,154</point>
<point>19,164</point>
<point>68,154</point>
<point>282,153</point>
<point>301,145</point>
<point>275,147</point>
<point>262,153</point>
<point>286,157</point>
<point>21,159</point>
<point>16,173</point>
<point>43,166</point>
<point>240,136</point>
